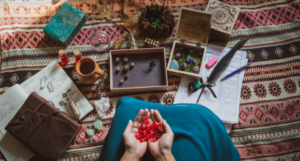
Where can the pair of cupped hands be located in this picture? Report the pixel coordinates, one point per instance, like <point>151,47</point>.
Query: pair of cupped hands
<point>160,149</point>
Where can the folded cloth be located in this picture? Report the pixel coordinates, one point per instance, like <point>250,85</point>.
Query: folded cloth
<point>43,128</point>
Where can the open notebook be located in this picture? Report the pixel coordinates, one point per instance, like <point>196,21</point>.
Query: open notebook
<point>12,100</point>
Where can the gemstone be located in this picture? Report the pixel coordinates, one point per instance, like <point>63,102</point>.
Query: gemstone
<point>191,51</point>
<point>143,140</point>
<point>98,124</point>
<point>200,53</point>
<point>143,126</point>
<point>151,133</point>
<point>138,136</point>
<point>196,69</point>
<point>174,64</point>
<point>145,132</point>
<point>194,61</point>
<point>50,86</point>
<point>180,48</point>
<point>191,87</point>
<point>155,124</point>
<point>197,84</point>
<point>146,120</point>
<point>178,55</point>
<point>152,139</point>
<point>184,65</point>
<point>43,82</point>
<point>90,132</point>
<point>148,127</point>
<point>188,60</point>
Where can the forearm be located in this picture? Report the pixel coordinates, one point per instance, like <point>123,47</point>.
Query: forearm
<point>167,156</point>
<point>129,157</point>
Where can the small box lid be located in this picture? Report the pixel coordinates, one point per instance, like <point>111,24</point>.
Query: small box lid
<point>194,26</point>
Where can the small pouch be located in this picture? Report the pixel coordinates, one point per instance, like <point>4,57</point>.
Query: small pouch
<point>42,128</point>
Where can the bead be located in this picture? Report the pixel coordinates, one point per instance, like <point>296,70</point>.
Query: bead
<point>197,84</point>
<point>174,64</point>
<point>138,136</point>
<point>151,133</point>
<point>178,55</point>
<point>194,61</point>
<point>191,51</point>
<point>143,126</point>
<point>146,120</point>
<point>196,69</point>
<point>191,87</point>
<point>184,65</point>
<point>188,60</point>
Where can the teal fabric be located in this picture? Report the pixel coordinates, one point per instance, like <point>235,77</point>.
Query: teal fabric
<point>199,133</point>
<point>65,24</point>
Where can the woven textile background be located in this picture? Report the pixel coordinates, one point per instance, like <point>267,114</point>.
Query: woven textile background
<point>268,127</point>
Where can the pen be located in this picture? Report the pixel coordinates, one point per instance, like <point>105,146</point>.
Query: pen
<point>236,71</point>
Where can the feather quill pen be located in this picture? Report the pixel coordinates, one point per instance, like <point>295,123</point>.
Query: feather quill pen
<point>222,64</point>
<point>130,20</point>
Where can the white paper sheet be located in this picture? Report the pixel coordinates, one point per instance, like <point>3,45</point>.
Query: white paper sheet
<point>10,102</point>
<point>61,83</point>
<point>226,105</point>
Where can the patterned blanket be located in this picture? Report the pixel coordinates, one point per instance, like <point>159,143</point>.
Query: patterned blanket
<point>268,127</point>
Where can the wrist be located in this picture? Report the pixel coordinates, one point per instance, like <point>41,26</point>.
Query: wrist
<point>128,155</point>
<point>165,156</point>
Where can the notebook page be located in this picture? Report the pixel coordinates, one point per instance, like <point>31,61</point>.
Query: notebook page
<point>10,103</point>
<point>61,83</point>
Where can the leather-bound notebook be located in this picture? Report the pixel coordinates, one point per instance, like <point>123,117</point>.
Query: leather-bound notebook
<point>43,128</point>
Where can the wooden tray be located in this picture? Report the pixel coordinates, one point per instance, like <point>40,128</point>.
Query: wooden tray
<point>140,77</point>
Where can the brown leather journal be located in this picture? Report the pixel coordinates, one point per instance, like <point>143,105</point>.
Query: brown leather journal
<point>43,128</point>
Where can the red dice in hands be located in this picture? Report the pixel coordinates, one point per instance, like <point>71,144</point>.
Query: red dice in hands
<point>147,131</point>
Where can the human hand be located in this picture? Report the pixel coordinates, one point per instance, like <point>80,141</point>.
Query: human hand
<point>161,149</point>
<point>134,148</point>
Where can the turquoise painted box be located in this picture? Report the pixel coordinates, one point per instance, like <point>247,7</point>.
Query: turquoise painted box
<point>65,24</point>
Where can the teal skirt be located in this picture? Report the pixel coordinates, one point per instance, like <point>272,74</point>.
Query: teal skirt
<point>199,133</point>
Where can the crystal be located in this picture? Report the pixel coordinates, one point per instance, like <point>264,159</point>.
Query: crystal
<point>196,69</point>
<point>152,139</point>
<point>145,132</point>
<point>43,82</point>
<point>191,51</point>
<point>146,120</point>
<point>75,113</point>
<point>174,64</point>
<point>178,55</point>
<point>50,86</point>
<point>184,65</point>
<point>143,126</point>
<point>148,127</point>
<point>90,132</point>
<point>200,53</point>
<point>191,87</point>
<point>98,124</point>
<point>197,84</point>
<point>188,60</point>
<point>194,61</point>
<point>138,136</point>
<point>155,124</point>
<point>143,140</point>
<point>102,106</point>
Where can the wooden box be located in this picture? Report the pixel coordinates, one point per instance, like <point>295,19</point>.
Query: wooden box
<point>141,77</point>
<point>224,18</point>
<point>193,30</point>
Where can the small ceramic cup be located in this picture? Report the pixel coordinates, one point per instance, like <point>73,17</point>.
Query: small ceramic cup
<point>88,71</point>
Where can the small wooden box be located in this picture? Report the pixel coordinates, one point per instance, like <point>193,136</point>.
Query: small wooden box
<point>141,78</point>
<point>224,18</point>
<point>193,30</point>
